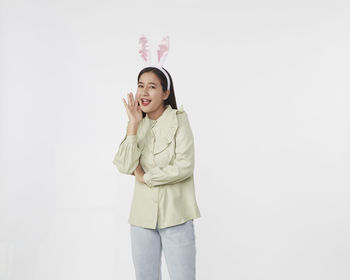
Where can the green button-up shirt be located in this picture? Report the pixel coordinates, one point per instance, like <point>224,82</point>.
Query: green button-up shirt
<point>165,149</point>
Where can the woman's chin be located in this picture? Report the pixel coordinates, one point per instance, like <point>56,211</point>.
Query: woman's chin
<point>146,108</point>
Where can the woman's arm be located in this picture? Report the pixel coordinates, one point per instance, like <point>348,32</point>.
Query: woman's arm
<point>128,154</point>
<point>127,157</point>
<point>132,128</point>
<point>139,172</point>
<point>183,165</point>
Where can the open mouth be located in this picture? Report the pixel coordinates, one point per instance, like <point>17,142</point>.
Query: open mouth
<point>145,101</point>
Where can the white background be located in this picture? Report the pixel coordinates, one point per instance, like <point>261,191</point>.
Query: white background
<point>266,88</point>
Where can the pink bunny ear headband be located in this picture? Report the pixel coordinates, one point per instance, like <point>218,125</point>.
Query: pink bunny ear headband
<point>145,53</point>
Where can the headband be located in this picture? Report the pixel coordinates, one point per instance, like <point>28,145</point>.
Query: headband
<point>145,53</point>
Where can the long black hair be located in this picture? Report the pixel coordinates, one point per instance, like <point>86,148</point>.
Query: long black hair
<point>163,81</point>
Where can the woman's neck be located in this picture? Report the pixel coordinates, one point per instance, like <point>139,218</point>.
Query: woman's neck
<point>156,114</point>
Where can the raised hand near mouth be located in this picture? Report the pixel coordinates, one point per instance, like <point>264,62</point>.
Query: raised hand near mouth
<point>133,109</point>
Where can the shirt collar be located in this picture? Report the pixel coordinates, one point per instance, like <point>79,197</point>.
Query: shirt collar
<point>168,124</point>
<point>162,118</point>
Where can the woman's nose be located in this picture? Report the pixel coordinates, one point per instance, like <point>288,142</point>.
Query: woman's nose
<point>144,92</point>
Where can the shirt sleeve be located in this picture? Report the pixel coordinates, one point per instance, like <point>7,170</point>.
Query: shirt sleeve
<point>183,165</point>
<point>127,157</point>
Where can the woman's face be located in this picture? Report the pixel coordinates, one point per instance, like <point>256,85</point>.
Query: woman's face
<point>150,93</point>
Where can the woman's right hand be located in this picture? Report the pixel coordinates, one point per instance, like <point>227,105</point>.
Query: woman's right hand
<point>133,109</point>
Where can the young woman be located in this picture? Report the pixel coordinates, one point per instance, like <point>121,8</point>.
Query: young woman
<point>158,149</point>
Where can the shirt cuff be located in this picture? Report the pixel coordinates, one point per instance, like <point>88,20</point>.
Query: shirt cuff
<point>130,139</point>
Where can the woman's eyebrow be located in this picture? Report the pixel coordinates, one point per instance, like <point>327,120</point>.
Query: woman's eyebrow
<point>149,83</point>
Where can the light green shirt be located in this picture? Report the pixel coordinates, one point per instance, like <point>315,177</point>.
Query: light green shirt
<point>165,149</point>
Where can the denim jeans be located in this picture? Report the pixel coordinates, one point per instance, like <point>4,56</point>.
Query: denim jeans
<point>178,243</point>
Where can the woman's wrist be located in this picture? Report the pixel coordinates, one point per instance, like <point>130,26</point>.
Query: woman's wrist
<point>141,179</point>
<point>139,176</point>
<point>132,128</point>
<point>139,172</point>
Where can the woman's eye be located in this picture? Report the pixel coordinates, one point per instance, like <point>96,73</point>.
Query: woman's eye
<point>142,86</point>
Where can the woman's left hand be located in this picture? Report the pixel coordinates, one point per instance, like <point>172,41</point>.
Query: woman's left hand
<point>139,172</point>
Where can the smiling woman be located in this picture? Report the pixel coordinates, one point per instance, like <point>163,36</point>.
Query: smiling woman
<point>158,149</point>
<point>149,88</point>
<point>152,88</point>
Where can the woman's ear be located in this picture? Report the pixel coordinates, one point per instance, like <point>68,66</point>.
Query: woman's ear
<point>167,93</point>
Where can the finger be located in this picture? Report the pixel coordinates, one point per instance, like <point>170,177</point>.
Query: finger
<point>138,99</point>
<point>132,99</point>
<point>124,102</point>
<point>129,99</point>
<point>136,104</point>
<point>125,105</point>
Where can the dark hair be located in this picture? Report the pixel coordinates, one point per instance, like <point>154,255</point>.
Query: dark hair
<point>163,81</point>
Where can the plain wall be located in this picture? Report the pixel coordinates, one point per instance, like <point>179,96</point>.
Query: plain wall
<point>266,88</point>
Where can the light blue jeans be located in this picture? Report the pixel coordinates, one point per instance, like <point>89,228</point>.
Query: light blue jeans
<point>179,247</point>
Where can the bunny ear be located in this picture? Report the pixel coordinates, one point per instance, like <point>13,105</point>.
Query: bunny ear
<point>163,49</point>
<point>144,49</point>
